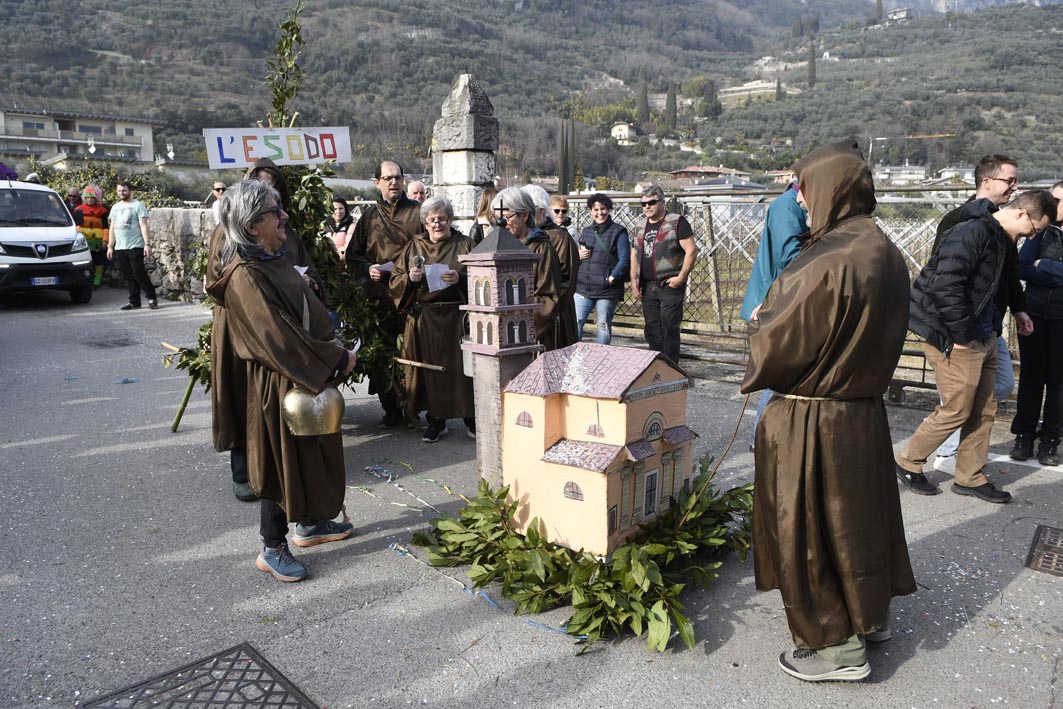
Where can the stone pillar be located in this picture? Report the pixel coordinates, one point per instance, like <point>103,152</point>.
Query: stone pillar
<point>464,141</point>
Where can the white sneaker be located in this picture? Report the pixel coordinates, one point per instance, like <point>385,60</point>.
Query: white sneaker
<point>945,464</point>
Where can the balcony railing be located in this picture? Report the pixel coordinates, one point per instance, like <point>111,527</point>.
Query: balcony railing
<point>70,136</point>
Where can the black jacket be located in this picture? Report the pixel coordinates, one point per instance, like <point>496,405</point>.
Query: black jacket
<point>960,279</point>
<point>1010,293</point>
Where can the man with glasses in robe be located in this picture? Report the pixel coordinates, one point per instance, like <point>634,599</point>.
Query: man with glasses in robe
<point>379,237</point>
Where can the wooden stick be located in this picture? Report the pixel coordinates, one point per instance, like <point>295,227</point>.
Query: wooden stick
<point>170,347</point>
<point>184,403</point>
<point>422,365</point>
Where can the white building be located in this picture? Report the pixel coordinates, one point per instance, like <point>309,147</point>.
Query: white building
<point>623,133</point>
<point>30,129</point>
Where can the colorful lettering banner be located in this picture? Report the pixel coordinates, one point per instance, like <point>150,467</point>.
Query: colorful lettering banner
<point>239,148</point>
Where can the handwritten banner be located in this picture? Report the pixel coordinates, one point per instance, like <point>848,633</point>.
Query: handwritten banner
<point>232,148</point>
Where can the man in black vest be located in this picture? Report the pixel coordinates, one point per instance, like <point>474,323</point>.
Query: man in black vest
<point>663,254</point>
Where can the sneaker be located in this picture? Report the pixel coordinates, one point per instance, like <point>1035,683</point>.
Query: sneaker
<point>130,306</point>
<point>243,493</point>
<point>1048,452</point>
<point>879,636</point>
<point>281,564</point>
<point>916,482</point>
<point>945,464</point>
<point>985,491</point>
<point>1023,449</point>
<point>811,667</point>
<point>435,431</point>
<point>391,419</point>
<point>470,428</point>
<point>153,304</point>
<point>321,533</point>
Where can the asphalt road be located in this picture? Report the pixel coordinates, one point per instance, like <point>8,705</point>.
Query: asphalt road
<point>124,556</point>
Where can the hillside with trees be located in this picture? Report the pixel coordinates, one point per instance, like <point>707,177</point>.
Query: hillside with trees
<point>385,68</point>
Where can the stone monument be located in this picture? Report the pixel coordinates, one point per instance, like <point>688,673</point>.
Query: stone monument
<point>464,141</point>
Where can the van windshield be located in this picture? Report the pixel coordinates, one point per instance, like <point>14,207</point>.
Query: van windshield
<point>32,208</point>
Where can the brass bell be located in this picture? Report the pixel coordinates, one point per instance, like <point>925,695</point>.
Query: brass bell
<point>309,415</point>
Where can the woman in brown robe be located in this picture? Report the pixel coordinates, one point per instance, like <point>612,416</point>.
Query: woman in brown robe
<point>827,524</point>
<point>434,324</point>
<point>284,334</point>
<point>517,208</point>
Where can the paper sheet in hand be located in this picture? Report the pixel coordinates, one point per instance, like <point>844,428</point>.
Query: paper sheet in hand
<point>302,269</point>
<point>388,267</point>
<point>434,273</point>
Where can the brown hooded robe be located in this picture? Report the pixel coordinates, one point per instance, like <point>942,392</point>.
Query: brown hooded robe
<point>264,302</point>
<point>548,287</point>
<point>827,526</point>
<point>568,263</point>
<point>228,373</point>
<point>434,327</point>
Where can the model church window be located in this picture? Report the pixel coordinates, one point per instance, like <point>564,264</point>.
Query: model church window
<point>573,492</point>
<point>476,294</point>
<point>524,419</point>
<point>654,427</point>
<point>650,505</point>
<point>596,431</point>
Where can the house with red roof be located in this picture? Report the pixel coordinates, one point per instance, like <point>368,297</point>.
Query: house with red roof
<point>595,442</point>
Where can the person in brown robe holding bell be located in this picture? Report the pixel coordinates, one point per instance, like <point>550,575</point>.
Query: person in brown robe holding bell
<point>518,209</point>
<point>284,335</point>
<point>434,322</point>
<point>827,526</point>
<point>228,378</point>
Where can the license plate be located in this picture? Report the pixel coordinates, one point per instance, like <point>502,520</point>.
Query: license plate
<point>45,281</point>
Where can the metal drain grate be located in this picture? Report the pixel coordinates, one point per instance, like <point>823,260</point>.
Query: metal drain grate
<point>1046,552</point>
<point>117,342</point>
<point>237,677</point>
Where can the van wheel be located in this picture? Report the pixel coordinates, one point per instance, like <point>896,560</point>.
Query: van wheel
<point>81,295</point>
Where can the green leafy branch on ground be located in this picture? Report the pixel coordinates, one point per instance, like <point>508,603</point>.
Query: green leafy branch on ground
<point>637,589</point>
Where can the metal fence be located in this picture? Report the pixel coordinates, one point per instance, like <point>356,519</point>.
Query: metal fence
<point>727,230</point>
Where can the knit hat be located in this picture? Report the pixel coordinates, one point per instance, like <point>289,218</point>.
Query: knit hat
<point>93,192</point>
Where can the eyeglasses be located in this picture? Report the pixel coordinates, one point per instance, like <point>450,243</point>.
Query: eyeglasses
<point>437,222</point>
<point>650,203</point>
<point>1012,181</point>
<point>560,211</point>
<point>390,178</point>
<point>220,189</point>
<point>276,211</point>
<point>1033,227</point>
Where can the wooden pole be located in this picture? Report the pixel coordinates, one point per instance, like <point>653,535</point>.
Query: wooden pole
<point>184,403</point>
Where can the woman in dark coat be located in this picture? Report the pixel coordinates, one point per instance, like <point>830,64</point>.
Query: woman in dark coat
<point>434,323</point>
<point>827,524</point>
<point>284,336</point>
<point>605,258</point>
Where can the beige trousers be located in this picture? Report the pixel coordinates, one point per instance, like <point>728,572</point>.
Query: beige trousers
<point>965,384</point>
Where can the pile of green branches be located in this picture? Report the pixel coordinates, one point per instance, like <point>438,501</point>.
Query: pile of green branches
<point>637,589</point>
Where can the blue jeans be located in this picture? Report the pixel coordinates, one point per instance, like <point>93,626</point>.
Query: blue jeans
<point>603,316</point>
<point>1002,388</point>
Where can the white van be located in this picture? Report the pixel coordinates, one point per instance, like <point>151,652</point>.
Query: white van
<point>39,245</point>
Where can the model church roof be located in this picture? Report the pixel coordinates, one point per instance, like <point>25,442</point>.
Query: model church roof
<point>585,369</point>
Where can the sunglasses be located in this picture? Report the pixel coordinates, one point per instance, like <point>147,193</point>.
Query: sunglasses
<point>560,211</point>
<point>650,203</point>
<point>220,189</point>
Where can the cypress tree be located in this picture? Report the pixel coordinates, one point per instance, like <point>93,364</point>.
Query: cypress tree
<point>642,106</point>
<point>564,177</point>
<point>812,63</point>
<point>670,112</point>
